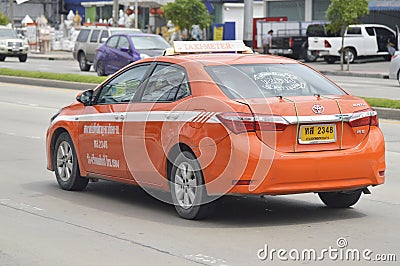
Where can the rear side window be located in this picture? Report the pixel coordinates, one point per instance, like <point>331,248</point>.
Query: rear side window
<point>270,80</point>
<point>95,36</point>
<point>166,84</point>
<point>370,31</point>
<point>354,31</point>
<point>83,35</point>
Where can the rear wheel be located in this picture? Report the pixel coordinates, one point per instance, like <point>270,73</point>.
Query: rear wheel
<point>398,77</point>
<point>83,65</point>
<point>350,55</point>
<point>22,58</point>
<point>66,166</point>
<point>100,68</point>
<point>343,199</point>
<point>2,58</point>
<point>310,56</point>
<point>187,187</point>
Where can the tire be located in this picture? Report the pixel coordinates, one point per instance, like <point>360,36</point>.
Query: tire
<point>343,199</point>
<point>66,165</point>
<point>100,68</point>
<point>398,77</point>
<point>351,54</point>
<point>83,65</point>
<point>330,59</point>
<point>2,58</point>
<point>22,58</point>
<point>310,56</point>
<point>187,188</point>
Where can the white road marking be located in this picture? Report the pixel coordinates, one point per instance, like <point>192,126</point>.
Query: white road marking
<point>209,260</point>
<point>19,205</point>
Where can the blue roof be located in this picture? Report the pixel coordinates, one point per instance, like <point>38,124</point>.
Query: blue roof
<point>384,5</point>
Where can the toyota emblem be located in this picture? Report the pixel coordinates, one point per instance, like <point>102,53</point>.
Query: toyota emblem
<point>318,109</point>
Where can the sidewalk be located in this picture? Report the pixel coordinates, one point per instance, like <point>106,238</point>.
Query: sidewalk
<point>52,55</point>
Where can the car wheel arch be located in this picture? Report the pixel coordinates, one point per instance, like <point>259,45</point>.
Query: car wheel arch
<point>57,133</point>
<point>173,154</point>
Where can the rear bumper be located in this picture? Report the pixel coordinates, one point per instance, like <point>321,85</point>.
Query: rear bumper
<point>281,51</point>
<point>276,173</point>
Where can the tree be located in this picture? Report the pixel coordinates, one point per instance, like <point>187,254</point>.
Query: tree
<point>185,13</point>
<point>3,19</point>
<point>342,13</point>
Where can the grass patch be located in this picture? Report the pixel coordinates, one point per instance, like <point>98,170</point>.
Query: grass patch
<point>52,76</point>
<point>382,102</point>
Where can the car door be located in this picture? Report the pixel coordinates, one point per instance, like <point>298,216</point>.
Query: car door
<point>110,57</point>
<point>371,45</point>
<point>93,44</point>
<point>122,53</point>
<point>154,121</point>
<point>384,37</point>
<point>101,127</point>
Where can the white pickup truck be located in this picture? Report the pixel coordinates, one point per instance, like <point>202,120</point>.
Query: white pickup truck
<point>360,40</point>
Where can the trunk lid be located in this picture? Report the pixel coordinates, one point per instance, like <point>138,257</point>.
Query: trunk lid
<point>312,123</point>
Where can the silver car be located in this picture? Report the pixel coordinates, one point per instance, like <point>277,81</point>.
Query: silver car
<point>394,69</point>
<point>11,45</point>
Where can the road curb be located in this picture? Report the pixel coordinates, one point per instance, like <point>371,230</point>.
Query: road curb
<point>385,113</point>
<point>47,83</point>
<point>354,74</point>
<point>50,57</point>
<point>388,113</point>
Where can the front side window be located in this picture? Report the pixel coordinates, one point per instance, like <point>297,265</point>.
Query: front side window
<point>270,80</point>
<point>123,88</point>
<point>123,42</point>
<point>95,36</point>
<point>167,84</point>
<point>104,35</point>
<point>112,42</point>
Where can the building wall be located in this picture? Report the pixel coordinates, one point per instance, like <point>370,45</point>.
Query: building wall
<point>232,12</point>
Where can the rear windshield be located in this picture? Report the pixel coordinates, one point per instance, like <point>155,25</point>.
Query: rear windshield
<point>270,80</point>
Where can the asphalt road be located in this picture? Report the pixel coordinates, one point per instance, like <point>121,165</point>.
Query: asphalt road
<point>360,86</point>
<point>115,224</point>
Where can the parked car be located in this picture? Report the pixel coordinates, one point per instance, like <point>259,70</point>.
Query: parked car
<point>360,40</point>
<point>394,68</point>
<point>90,38</point>
<point>11,45</point>
<point>123,49</point>
<point>200,126</point>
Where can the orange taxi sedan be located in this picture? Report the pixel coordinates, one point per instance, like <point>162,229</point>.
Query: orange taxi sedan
<point>211,118</point>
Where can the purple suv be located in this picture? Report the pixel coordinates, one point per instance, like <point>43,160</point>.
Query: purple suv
<point>122,49</point>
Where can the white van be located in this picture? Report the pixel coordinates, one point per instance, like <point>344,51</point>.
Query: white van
<point>360,40</point>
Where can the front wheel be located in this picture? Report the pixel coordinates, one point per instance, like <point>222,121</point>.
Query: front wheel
<point>2,58</point>
<point>187,187</point>
<point>83,65</point>
<point>22,58</point>
<point>66,166</point>
<point>100,68</point>
<point>343,199</point>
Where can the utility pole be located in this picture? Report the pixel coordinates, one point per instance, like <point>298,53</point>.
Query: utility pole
<point>115,10</point>
<point>248,23</point>
<point>136,14</point>
<point>12,13</point>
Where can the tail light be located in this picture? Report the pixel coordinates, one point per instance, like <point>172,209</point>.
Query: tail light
<point>367,117</point>
<point>327,44</point>
<point>291,42</point>
<point>246,122</point>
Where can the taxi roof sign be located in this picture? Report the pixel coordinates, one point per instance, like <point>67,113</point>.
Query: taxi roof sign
<point>182,47</point>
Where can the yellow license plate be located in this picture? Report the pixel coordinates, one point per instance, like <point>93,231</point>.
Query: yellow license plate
<point>317,134</point>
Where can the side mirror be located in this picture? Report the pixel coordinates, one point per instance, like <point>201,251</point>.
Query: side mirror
<point>103,40</point>
<point>125,49</point>
<point>85,97</point>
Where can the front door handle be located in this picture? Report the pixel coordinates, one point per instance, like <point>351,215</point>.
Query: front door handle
<point>172,115</point>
